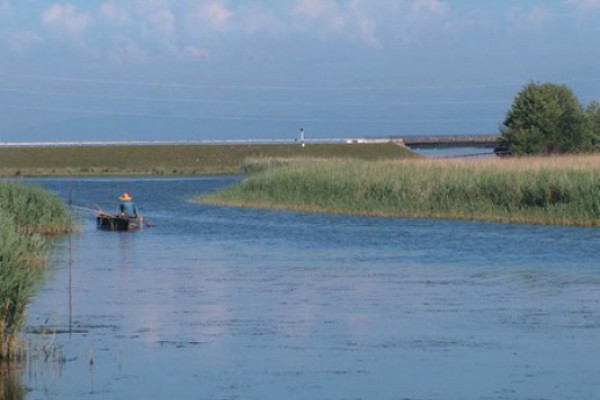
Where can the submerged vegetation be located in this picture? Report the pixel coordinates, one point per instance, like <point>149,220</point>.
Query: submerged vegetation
<point>556,191</point>
<point>27,214</point>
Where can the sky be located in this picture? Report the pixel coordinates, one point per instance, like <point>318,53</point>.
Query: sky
<point>224,69</point>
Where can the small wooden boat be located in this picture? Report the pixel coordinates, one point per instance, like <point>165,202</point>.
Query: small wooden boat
<point>109,222</point>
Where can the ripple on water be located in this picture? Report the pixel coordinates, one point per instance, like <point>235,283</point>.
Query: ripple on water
<point>219,303</point>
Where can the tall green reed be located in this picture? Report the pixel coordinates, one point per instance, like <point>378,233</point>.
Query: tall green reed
<point>531,191</point>
<point>20,258</point>
<point>34,209</point>
<point>26,213</point>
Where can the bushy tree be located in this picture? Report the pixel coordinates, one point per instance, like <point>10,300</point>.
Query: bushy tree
<point>592,114</point>
<point>544,119</point>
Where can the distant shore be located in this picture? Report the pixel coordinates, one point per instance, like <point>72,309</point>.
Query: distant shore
<point>174,159</point>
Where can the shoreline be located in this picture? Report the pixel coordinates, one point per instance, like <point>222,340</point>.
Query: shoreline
<point>390,215</point>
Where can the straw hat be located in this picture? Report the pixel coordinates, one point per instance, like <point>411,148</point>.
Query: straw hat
<point>125,197</point>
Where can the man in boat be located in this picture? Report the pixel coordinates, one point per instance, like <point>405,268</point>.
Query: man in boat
<point>127,207</point>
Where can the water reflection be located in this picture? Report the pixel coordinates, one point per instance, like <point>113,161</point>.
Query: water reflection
<point>269,305</point>
<point>457,152</point>
<point>11,375</point>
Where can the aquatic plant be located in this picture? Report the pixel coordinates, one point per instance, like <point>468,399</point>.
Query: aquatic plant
<point>10,385</point>
<point>20,258</point>
<point>543,190</point>
<point>34,210</point>
<point>26,213</point>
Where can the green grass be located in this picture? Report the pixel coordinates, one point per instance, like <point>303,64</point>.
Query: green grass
<point>563,191</point>
<point>34,210</point>
<point>18,275</point>
<point>26,213</point>
<point>172,159</point>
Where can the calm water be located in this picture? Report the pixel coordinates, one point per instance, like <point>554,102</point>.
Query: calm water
<point>457,152</point>
<point>220,303</point>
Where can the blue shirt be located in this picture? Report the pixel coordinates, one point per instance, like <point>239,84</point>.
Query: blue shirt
<point>128,208</point>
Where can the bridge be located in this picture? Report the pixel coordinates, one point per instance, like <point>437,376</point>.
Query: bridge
<point>432,142</point>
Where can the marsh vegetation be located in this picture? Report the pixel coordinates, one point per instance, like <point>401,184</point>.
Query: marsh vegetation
<point>27,215</point>
<point>555,191</point>
<point>169,160</point>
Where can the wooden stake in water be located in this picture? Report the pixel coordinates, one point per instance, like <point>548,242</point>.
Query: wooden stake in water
<point>70,265</point>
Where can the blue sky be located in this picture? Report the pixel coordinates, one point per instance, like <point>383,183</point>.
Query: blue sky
<point>199,69</point>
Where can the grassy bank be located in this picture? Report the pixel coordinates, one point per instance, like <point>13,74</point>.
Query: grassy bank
<point>172,159</point>
<point>26,213</point>
<point>554,191</point>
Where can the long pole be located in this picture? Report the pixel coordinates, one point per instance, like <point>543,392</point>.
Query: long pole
<point>70,265</point>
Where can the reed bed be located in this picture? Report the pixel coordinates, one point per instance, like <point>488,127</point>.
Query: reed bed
<point>26,213</point>
<point>545,190</point>
<point>34,210</point>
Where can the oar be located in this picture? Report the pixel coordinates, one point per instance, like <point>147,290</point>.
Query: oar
<point>100,210</point>
<point>147,224</point>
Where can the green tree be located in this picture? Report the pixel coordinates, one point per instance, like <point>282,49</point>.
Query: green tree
<point>544,119</point>
<point>592,114</point>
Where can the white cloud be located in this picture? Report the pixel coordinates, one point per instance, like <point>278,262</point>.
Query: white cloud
<point>533,18</point>
<point>66,18</point>
<point>364,24</point>
<point>329,16</point>
<point>145,19</point>
<point>125,50</point>
<point>21,41</point>
<point>322,10</point>
<point>114,13</point>
<point>584,4</point>
<point>429,6</point>
<point>366,29</point>
<point>181,29</point>
<point>374,23</point>
<point>145,30</point>
<point>317,8</point>
<point>469,22</point>
<point>163,21</point>
<point>254,19</point>
<point>218,15</point>
<point>194,53</point>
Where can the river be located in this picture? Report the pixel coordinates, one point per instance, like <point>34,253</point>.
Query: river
<point>227,303</point>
